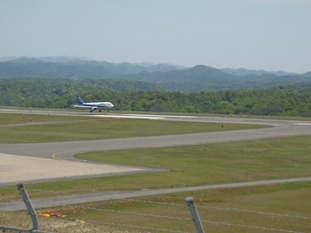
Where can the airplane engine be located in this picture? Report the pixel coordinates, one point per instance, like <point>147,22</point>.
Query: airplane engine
<point>93,109</point>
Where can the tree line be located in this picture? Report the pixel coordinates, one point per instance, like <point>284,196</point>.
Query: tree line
<point>287,100</point>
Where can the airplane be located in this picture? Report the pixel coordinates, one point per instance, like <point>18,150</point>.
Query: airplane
<point>94,105</point>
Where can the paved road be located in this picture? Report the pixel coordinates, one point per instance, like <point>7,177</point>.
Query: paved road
<point>104,196</point>
<point>65,150</point>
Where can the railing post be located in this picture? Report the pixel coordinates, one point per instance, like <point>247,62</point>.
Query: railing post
<point>30,207</point>
<point>195,215</point>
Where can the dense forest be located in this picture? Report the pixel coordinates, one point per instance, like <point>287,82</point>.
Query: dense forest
<point>285,100</point>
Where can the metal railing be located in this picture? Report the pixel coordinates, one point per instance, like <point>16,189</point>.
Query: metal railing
<point>195,215</point>
<point>31,210</point>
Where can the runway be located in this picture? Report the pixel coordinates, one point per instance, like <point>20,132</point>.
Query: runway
<point>54,161</point>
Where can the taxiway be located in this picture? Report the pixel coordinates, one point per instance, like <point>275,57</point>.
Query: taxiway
<point>55,161</point>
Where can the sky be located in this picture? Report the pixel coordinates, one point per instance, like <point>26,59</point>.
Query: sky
<point>271,35</point>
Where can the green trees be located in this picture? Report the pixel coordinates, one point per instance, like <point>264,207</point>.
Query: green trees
<point>289,100</point>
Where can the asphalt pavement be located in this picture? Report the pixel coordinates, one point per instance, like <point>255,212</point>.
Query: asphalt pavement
<point>39,162</point>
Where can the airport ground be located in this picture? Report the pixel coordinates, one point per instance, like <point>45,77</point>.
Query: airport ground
<point>280,129</point>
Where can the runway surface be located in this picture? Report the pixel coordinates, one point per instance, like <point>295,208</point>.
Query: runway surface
<point>54,161</point>
<point>16,168</point>
<point>39,162</point>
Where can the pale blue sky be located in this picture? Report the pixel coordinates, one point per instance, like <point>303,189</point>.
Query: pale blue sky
<point>255,34</point>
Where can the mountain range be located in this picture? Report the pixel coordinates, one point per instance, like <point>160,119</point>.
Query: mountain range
<point>162,76</point>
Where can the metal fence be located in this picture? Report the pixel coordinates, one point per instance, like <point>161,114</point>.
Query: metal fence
<point>159,211</point>
<point>31,210</point>
<point>35,221</point>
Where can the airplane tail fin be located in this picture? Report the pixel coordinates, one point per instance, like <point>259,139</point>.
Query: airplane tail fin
<point>80,101</point>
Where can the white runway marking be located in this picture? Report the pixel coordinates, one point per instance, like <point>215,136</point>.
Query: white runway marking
<point>133,116</point>
<point>305,124</point>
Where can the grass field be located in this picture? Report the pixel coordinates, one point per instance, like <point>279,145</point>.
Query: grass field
<point>270,208</point>
<point>216,163</point>
<point>17,128</point>
<point>279,207</point>
<point>284,207</point>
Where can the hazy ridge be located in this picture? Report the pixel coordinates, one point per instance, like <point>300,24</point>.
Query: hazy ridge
<point>160,76</point>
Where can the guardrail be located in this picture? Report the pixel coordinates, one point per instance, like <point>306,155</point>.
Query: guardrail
<point>31,211</point>
<point>195,215</point>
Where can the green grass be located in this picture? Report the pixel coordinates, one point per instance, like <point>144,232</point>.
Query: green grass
<point>252,209</point>
<point>274,206</point>
<point>191,166</point>
<point>214,163</point>
<point>18,128</point>
<point>246,209</point>
<point>281,207</point>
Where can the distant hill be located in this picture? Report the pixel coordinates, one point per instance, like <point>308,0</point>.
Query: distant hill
<point>245,72</point>
<point>203,78</point>
<point>65,67</point>
<point>157,76</point>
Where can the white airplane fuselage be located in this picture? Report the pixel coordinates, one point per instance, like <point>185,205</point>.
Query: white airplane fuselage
<point>94,105</point>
